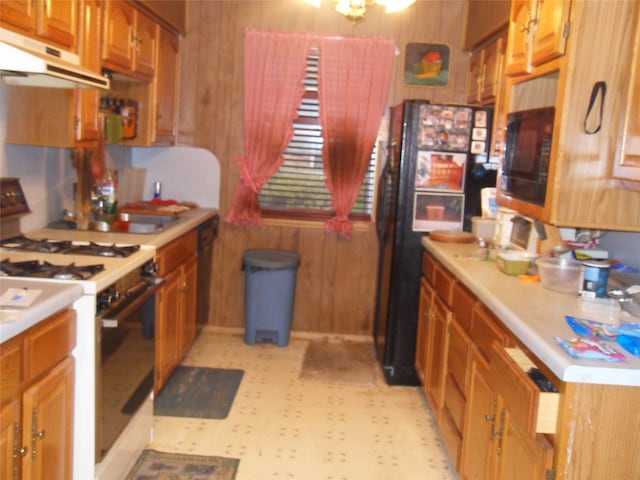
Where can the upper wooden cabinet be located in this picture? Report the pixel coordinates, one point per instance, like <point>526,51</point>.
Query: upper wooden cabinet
<point>580,189</point>
<point>54,22</point>
<point>166,88</point>
<point>87,127</point>
<point>627,160</point>
<point>129,40</point>
<point>486,71</point>
<point>538,31</point>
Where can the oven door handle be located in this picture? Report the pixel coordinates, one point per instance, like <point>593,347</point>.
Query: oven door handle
<point>110,319</point>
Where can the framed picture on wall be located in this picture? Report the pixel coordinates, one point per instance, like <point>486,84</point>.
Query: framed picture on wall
<point>427,64</point>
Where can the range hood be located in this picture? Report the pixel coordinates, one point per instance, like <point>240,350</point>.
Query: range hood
<point>28,62</point>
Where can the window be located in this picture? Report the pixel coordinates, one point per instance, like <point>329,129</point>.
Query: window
<point>298,188</point>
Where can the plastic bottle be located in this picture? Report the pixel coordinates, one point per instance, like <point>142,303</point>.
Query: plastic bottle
<point>108,191</point>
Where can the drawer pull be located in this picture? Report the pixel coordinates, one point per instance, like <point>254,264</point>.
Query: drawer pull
<point>489,418</point>
<point>23,451</point>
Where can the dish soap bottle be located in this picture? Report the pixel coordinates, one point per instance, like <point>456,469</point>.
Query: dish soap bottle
<point>108,191</point>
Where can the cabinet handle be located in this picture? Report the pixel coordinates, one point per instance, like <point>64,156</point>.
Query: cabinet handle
<point>489,418</point>
<point>22,452</point>
<point>40,435</point>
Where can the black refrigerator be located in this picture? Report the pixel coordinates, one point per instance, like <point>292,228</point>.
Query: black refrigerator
<point>437,163</point>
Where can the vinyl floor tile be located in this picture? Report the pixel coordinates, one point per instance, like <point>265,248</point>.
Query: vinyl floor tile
<point>281,427</point>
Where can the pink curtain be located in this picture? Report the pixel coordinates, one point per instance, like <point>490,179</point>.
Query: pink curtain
<point>354,77</point>
<point>274,68</point>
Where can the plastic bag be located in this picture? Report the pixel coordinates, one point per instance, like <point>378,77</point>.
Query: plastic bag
<point>588,349</point>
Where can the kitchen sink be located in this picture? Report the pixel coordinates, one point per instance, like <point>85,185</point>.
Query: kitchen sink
<point>126,223</point>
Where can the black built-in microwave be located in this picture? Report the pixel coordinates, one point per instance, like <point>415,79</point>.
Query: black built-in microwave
<point>525,168</point>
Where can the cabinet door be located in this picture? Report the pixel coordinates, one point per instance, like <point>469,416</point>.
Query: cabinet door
<point>166,88</point>
<point>551,30</point>
<point>58,22</point>
<point>475,76</point>
<point>492,69</point>
<point>167,334</point>
<point>627,164</point>
<point>437,355</point>
<point>87,100</point>
<point>188,306</point>
<point>146,45</point>
<point>477,447</point>
<point>521,452</point>
<point>422,338</point>
<point>48,424</point>
<point>521,22</point>
<point>19,13</point>
<point>118,34</point>
<point>11,448</point>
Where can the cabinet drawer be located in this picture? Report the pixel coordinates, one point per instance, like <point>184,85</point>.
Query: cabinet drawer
<point>48,342</point>
<point>454,402</point>
<point>485,331</point>
<point>177,252</point>
<point>462,305</point>
<point>532,408</point>
<point>443,283</point>
<point>428,264</point>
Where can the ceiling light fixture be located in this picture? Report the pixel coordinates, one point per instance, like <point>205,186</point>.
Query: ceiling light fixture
<point>354,10</point>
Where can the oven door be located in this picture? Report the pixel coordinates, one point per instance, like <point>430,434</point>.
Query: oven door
<point>124,364</point>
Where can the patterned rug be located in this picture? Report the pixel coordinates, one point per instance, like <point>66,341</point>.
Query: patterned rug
<point>155,465</point>
<point>343,362</point>
<point>198,392</point>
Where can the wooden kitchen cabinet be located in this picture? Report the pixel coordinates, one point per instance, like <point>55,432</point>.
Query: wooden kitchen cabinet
<point>36,403</point>
<point>627,160</point>
<point>129,40</point>
<point>87,100</point>
<point>50,21</point>
<point>176,304</point>
<point>427,295</point>
<point>165,88</point>
<point>580,189</point>
<point>57,117</point>
<point>538,33</point>
<point>486,71</point>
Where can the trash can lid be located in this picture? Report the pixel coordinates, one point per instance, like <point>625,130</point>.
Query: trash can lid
<point>267,258</point>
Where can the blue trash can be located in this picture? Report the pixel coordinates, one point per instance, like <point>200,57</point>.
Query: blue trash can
<point>270,286</point>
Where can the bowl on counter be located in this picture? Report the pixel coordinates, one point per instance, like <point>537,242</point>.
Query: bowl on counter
<point>513,263</point>
<point>561,274</point>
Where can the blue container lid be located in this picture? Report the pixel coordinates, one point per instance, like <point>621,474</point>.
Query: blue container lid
<point>274,259</point>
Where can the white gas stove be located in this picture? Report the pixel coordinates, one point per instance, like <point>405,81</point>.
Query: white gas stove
<point>101,286</point>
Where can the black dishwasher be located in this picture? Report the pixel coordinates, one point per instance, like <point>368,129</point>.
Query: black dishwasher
<point>207,233</point>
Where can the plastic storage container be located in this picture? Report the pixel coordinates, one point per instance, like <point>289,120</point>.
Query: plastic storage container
<point>561,274</point>
<point>270,285</point>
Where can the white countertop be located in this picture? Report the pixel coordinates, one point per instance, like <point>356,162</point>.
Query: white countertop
<point>534,315</point>
<point>186,221</point>
<point>52,297</point>
<point>57,294</point>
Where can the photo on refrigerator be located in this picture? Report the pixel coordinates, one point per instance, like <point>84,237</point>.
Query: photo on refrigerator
<point>440,170</point>
<point>437,211</point>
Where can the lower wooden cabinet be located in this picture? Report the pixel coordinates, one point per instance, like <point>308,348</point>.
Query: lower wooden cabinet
<point>36,401</point>
<point>482,400</point>
<point>175,305</point>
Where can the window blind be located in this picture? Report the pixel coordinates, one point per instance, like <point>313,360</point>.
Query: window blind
<point>299,186</point>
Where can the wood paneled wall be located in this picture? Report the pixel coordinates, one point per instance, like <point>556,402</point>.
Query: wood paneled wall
<point>336,280</point>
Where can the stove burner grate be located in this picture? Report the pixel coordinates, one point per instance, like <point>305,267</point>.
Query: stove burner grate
<point>68,247</point>
<point>38,269</point>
